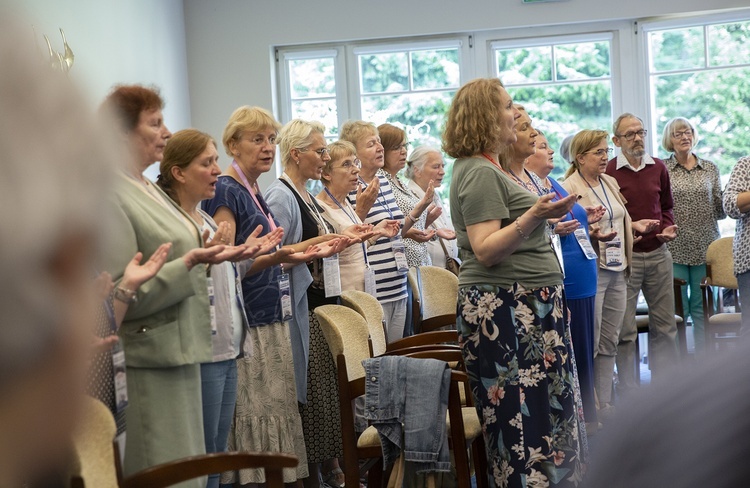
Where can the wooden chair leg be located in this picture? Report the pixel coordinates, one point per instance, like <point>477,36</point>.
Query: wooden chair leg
<point>479,456</point>
<point>375,475</point>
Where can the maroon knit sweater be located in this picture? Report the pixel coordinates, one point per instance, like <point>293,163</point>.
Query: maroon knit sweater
<point>649,196</point>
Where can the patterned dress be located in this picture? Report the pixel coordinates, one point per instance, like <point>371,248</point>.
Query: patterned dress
<point>416,252</point>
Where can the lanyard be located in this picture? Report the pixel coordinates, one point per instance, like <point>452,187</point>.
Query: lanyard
<point>110,316</point>
<point>560,197</point>
<point>381,197</point>
<point>608,206</point>
<point>315,212</point>
<point>352,217</point>
<point>252,190</point>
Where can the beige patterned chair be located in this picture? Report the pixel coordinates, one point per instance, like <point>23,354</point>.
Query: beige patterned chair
<point>435,293</point>
<point>720,326</point>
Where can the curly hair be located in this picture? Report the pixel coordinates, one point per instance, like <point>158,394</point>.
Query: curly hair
<point>472,125</point>
<point>126,102</point>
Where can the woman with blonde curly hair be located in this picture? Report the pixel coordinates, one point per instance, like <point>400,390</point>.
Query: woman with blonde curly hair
<point>513,332</point>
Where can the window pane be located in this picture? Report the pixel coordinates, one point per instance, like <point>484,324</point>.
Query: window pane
<point>384,72</point>
<point>435,69</point>
<point>583,60</point>
<point>718,101</point>
<point>421,114</point>
<point>729,44</point>
<point>525,65</point>
<point>564,109</point>
<point>677,49</point>
<point>312,77</point>
<point>323,111</point>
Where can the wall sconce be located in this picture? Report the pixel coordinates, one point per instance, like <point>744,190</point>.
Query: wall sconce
<point>62,61</point>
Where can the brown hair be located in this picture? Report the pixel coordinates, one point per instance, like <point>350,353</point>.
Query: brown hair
<point>584,141</point>
<point>391,136</point>
<point>182,148</point>
<point>507,153</point>
<point>126,102</point>
<point>472,125</point>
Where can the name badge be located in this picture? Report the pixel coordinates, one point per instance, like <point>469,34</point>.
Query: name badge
<point>121,385</point>
<point>370,284</point>
<point>557,247</point>
<point>212,305</point>
<point>585,243</point>
<point>332,276</point>
<point>399,252</point>
<point>613,253</point>
<point>285,291</point>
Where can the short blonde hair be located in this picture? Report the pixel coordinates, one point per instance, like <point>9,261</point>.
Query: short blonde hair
<point>472,125</point>
<point>247,118</point>
<point>354,130</point>
<point>297,134</point>
<point>584,141</point>
<point>673,125</point>
<point>337,150</point>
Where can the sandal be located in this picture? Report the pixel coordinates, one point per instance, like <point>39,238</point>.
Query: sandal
<point>329,480</point>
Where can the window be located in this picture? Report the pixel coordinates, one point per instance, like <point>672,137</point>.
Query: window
<point>703,73</point>
<point>311,87</point>
<point>565,85</point>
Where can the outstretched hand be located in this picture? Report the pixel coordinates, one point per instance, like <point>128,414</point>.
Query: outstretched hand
<point>595,214</point>
<point>137,274</point>
<point>545,209</point>
<point>595,232</point>
<point>668,234</point>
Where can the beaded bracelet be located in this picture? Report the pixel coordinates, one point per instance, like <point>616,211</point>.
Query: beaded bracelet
<point>518,229</point>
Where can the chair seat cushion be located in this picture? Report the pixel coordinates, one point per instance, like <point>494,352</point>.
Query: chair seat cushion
<point>369,438</point>
<point>726,319</point>
<point>641,322</point>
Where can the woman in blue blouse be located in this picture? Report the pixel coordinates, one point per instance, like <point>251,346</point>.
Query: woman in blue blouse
<point>579,263</point>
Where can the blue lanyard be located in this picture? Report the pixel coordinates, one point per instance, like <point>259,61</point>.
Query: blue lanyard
<point>352,217</point>
<point>607,206</point>
<point>110,316</point>
<point>381,196</point>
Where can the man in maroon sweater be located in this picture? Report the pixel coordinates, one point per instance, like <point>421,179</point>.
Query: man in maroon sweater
<point>644,182</point>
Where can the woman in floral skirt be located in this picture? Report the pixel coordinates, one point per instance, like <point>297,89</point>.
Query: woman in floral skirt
<point>513,333</point>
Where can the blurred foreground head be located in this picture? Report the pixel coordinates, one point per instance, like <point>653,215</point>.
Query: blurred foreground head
<point>54,174</point>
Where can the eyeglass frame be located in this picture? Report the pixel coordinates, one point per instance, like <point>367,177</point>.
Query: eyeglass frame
<point>401,147</point>
<point>630,136</point>
<point>320,152</point>
<point>683,133</point>
<point>599,152</point>
<point>349,166</point>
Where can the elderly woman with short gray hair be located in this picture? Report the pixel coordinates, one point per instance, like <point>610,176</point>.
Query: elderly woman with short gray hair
<point>696,191</point>
<point>426,165</point>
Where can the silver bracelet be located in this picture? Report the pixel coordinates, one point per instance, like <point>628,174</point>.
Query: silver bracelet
<point>518,229</point>
<point>413,220</point>
<point>125,295</point>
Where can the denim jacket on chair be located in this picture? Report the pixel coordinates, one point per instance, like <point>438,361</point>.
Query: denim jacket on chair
<point>413,394</point>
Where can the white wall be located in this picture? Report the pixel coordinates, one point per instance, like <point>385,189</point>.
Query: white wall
<point>120,41</point>
<point>229,41</point>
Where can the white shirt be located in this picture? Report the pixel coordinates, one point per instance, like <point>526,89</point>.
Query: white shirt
<point>622,162</point>
<point>437,255</point>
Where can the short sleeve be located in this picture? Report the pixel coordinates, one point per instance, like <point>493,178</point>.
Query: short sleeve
<point>482,195</point>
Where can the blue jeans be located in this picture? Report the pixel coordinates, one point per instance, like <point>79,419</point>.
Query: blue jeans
<point>219,389</point>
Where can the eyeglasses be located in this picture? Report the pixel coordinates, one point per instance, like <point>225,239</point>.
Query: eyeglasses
<point>629,136</point>
<point>349,165</point>
<point>601,152</point>
<point>401,147</point>
<point>320,152</point>
<point>683,133</point>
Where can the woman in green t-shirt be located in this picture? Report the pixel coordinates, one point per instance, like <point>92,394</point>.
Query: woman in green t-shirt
<point>515,341</point>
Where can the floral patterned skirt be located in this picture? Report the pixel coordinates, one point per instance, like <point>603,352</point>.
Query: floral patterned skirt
<point>520,363</point>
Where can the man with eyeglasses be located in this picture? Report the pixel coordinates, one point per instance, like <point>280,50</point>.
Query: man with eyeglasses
<point>644,182</point>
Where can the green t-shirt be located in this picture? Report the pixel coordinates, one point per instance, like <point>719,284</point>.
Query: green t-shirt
<point>481,192</point>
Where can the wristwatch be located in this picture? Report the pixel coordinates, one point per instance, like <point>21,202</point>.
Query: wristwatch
<point>125,295</point>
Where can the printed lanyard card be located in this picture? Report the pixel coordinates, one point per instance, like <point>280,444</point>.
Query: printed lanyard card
<point>399,252</point>
<point>370,284</point>
<point>613,253</point>
<point>121,385</point>
<point>212,305</point>
<point>285,290</point>
<point>332,276</point>
<point>585,243</point>
<point>557,247</point>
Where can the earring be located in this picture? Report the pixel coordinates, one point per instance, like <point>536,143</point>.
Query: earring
<point>297,162</point>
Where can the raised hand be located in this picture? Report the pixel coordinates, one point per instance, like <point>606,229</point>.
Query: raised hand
<point>358,233</point>
<point>387,228</point>
<point>137,274</point>
<point>644,226</point>
<point>567,227</point>
<point>420,235</point>
<point>366,197</point>
<point>545,209</point>
<point>103,285</point>
<point>595,214</point>
<point>257,246</point>
<point>426,201</point>
<point>433,212</point>
<point>668,234</point>
<point>596,233</point>
<point>221,236</point>
<point>445,233</point>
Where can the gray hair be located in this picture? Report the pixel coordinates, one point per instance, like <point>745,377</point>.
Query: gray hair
<point>672,125</point>
<point>54,182</point>
<point>565,148</point>
<point>618,121</point>
<point>418,158</point>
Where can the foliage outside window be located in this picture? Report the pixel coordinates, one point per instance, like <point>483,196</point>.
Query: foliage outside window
<point>564,87</point>
<point>312,86</point>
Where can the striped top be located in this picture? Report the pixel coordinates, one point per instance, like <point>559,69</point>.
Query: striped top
<point>391,285</point>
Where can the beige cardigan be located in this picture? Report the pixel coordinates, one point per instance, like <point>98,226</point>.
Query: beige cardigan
<point>576,184</point>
